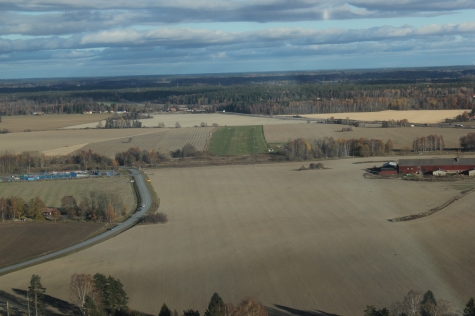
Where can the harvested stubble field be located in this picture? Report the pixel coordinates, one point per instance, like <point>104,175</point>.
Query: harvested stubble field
<point>163,141</point>
<point>309,240</point>
<point>52,191</point>
<point>414,116</point>
<point>48,121</point>
<point>401,136</point>
<point>62,142</point>
<point>23,241</point>
<point>191,120</point>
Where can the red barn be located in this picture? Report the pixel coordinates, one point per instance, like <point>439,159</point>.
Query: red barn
<point>422,166</point>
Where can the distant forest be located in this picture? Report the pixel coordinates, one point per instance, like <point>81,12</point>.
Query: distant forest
<point>264,94</point>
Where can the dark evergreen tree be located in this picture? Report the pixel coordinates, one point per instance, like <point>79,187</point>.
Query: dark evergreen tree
<point>165,311</point>
<point>428,304</point>
<point>469,309</point>
<point>372,311</point>
<point>216,306</point>
<point>112,295</point>
<point>191,312</point>
<point>90,308</point>
<point>35,295</point>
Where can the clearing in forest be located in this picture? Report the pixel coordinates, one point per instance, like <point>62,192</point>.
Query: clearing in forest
<point>237,140</point>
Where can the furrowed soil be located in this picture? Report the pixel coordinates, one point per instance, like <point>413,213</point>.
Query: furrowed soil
<point>62,142</point>
<point>240,140</point>
<point>401,136</point>
<point>48,121</point>
<point>414,116</point>
<point>192,120</point>
<point>307,240</point>
<point>162,140</point>
<point>52,191</point>
<point>27,240</point>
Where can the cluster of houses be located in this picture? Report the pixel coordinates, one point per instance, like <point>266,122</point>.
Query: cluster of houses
<point>436,167</point>
<point>185,109</point>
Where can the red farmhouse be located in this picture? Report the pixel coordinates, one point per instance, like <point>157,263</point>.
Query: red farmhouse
<point>422,166</point>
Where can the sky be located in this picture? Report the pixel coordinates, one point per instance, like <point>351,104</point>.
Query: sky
<point>87,38</point>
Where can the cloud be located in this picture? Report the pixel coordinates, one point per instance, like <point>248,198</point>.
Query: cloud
<point>187,38</point>
<point>59,17</point>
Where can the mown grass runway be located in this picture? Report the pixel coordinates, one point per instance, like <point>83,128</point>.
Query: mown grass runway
<point>238,140</point>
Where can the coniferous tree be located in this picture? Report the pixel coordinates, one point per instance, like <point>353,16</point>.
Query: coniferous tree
<point>469,309</point>
<point>165,311</point>
<point>35,295</point>
<point>216,306</point>
<point>191,312</point>
<point>428,304</point>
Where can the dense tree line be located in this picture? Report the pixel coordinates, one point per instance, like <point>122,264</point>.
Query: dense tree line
<point>418,304</point>
<point>98,295</point>
<point>134,156</point>
<point>429,143</point>
<point>468,142</point>
<point>328,147</point>
<point>26,161</point>
<point>129,120</point>
<point>397,123</point>
<point>94,206</point>
<point>17,208</point>
<point>254,99</point>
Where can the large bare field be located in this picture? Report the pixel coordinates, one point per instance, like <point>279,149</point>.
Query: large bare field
<point>308,240</point>
<point>23,241</point>
<point>61,142</point>
<point>191,120</point>
<point>52,191</point>
<point>162,141</point>
<point>414,116</point>
<point>401,137</point>
<point>48,121</point>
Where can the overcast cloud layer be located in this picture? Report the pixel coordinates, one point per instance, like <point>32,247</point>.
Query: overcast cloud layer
<point>101,37</point>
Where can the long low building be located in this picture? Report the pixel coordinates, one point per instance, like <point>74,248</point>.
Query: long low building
<point>424,166</point>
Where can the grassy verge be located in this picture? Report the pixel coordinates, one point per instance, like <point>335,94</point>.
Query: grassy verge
<point>238,140</point>
<point>155,199</point>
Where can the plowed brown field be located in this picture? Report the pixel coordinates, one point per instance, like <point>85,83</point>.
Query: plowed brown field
<point>62,142</point>
<point>48,121</point>
<point>191,120</point>
<point>414,116</point>
<point>401,137</point>
<point>23,241</point>
<point>163,141</point>
<point>309,240</point>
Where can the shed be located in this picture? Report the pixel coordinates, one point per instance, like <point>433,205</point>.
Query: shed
<point>439,172</point>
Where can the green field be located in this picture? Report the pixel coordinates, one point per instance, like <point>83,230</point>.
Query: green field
<point>52,191</point>
<point>238,140</point>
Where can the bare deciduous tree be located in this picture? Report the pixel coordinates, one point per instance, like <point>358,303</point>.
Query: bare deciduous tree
<point>81,286</point>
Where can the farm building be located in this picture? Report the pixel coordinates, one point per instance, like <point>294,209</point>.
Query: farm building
<point>389,168</point>
<point>437,166</point>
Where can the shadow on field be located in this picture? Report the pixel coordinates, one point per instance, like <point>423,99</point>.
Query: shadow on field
<point>63,307</point>
<point>281,310</point>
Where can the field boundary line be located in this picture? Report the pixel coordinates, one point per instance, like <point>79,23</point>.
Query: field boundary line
<point>432,210</point>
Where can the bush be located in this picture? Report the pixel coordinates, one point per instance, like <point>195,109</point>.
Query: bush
<point>317,166</point>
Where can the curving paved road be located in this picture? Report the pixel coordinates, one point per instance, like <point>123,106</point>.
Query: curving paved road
<point>146,200</point>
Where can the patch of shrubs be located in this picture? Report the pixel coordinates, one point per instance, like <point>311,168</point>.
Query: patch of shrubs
<point>154,218</point>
